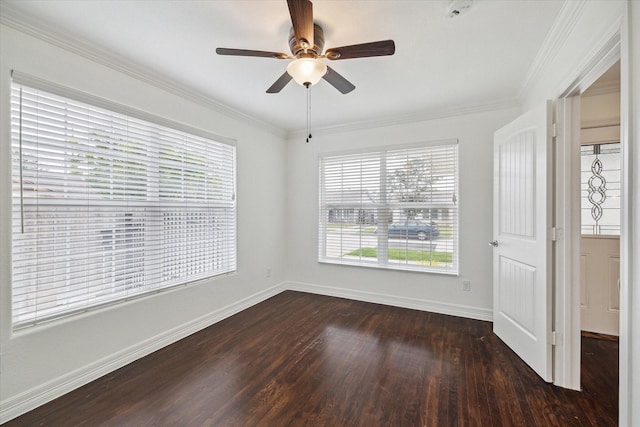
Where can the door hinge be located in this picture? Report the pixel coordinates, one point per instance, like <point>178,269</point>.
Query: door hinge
<point>556,338</point>
<point>554,130</point>
<point>554,234</point>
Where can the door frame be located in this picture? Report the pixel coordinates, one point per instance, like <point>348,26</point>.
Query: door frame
<point>566,207</point>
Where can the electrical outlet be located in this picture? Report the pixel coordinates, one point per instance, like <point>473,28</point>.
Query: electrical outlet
<point>466,285</point>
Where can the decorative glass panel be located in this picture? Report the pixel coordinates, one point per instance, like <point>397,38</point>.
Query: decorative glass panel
<point>600,189</point>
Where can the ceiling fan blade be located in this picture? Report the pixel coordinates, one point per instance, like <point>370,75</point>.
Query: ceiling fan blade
<point>337,81</point>
<point>301,12</point>
<point>280,83</point>
<point>245,52</point>
<point>381,48</point>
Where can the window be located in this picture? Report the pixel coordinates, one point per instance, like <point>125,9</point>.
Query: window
<point>391,208</point>
<point>110,204</point>
<point>600,188</point>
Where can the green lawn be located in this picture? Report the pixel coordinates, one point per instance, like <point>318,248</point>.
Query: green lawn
<point>405,255</point>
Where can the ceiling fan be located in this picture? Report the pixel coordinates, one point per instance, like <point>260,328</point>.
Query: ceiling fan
<point>306,41</point>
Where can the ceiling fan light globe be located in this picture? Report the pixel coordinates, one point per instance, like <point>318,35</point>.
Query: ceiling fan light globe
<point>307,71</point>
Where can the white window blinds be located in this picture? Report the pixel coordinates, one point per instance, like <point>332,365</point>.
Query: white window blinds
<point>107,206</point>
<point>391,208</point>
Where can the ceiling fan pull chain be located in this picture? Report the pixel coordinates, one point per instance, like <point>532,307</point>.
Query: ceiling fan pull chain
<point>308,112</point>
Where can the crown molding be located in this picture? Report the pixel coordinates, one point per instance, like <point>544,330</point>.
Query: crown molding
<point>562,27</point>
<point>421,116</point>
<point>12,17</point>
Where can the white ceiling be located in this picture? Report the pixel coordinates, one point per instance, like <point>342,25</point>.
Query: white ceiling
<point>480,58</point>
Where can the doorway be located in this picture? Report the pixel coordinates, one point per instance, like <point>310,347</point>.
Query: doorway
<point>568,206</point>
<point>600,227</point>
<point>600,197</point>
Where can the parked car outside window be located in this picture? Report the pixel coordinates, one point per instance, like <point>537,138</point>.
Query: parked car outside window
<point>411,228</point>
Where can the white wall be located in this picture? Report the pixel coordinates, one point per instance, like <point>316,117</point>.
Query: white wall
<point>47,360</point>
<point>434,292</point>
<point>600,110</point>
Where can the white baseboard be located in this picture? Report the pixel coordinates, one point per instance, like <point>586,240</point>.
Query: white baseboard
<point>37,396</point>
<point>412,303</point>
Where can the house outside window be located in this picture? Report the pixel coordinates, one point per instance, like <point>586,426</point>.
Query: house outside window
<point>394,207</point>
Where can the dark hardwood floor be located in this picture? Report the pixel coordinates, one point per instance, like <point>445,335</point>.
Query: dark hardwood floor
<point>306,360</point>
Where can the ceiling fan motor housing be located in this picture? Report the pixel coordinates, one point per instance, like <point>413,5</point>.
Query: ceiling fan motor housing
<point>318,41</point>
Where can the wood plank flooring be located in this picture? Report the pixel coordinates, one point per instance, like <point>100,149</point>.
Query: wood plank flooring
<point>307,360</point>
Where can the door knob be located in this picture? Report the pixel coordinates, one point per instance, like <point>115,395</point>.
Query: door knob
<point>494,243</point>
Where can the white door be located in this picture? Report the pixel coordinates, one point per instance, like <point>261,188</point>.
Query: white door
<point>522,243</point>
<point>599,284</point>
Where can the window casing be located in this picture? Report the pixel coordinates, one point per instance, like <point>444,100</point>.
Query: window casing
<point>394,207</point>
<point>108,205</point>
